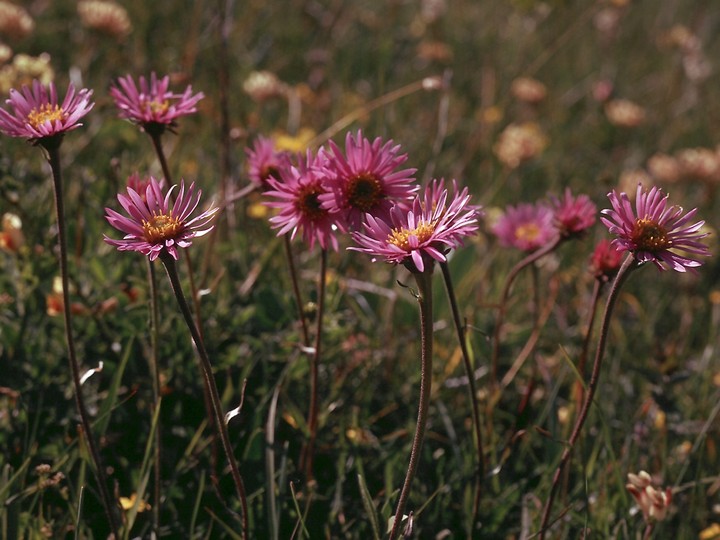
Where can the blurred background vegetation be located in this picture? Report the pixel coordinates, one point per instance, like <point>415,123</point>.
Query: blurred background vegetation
<point>533,97</point>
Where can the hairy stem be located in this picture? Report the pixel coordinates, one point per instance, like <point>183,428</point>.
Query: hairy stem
<point>424,283</point>
<point>628,265</point>
<point>107,501</point>
<point>470,372</point>
<point>296,290</point>
<point>206,369</point>
<point>155,373</point>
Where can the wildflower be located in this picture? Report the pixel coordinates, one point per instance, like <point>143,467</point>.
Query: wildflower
<point>528,90</point>
<point>519,143</point>
<point>605,260</point>
<point>108,17</point>
<point>573,215</point>
<point>653,502</point>
<point>699,163</point>
<point>265,161</point>
<point>139,184</point>
<point>664,168</point>
<point>153,106</point>
<point>263,85</point>
<point>155,227</point>
<point>24,69</point>
<point>15,22</point>
<point>298,195</point>
<point>526,226</point>
<point>653,231</point>
<point>624,113</point>
<point>5,53</point>
<point>38,117</point>
<point>11,235</point>
<point>365,179</point>
<point>423,234</point>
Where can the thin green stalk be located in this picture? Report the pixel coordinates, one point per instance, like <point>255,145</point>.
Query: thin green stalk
<point>314,363</point>
<point>628,265</point>
<point>107,501</point>
<point>206,369</point>
<point>155,373</point>
<point>502,306</point>
<point>582,359</point>
<point>470,372</point>
<point>296,289</point>
<point>424,298</point>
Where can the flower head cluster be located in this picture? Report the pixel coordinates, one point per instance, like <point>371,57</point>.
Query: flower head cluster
<point>526,226</point>
<point>653,502</point>
<point>415,237</point>
<point>265,161</point>
<point>154,226</point>
<point>605,260</point>
<point>573,215</point>
<point>153,106</point>
<point>365,180</point>
<point>39,117</point>
<point>654,231</point>
<point>296,194</point>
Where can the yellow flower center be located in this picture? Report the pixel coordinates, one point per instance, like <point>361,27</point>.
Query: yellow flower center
<point>400,237</point>
<point>308,202</point>
<point>364,191</point>
<point>161,227</point>
<point>648,235</point>
<point>156,107</point>
<point>528,232</point>
<point>45,113</point>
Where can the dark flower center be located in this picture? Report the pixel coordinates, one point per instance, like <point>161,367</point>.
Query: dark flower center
<point>650,236</point>
<point>269,171</point>
<point>161,227</point>
<point>308,202</point>
<point>364,192</point>
<point>45,113</point>
<point>400,237</point>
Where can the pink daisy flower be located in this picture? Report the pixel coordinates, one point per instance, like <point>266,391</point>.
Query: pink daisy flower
<point>653,230</point>
<point>366,180</point>
<point>422,234</point>
<point>297,195</point>
<point>38,116</point>
<point>154,226</point>
<point>264,162</point>
<point>153,106</point>
<point>605,260</point>
<point>526,227</point>
<point>573,215</point>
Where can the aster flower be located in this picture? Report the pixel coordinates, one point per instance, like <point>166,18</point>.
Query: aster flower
<point>526,227</point>
<point>653,231</point>
<point>423,234</point>
<point>265,161</point>
<point>37,115</point>
<point>155,226</point>
<point>605,260</point>
<point>297,195</point>
<point>153,106</point>
<point>573,215</point>
<point>366,180</point>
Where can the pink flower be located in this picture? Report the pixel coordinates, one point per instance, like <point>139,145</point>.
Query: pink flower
<point>153,106</point>
<point>365,180</point>
<point>526,227</point>
<point>38,117</point>
<point>573,215</point>
<point>653,229</point>
<point>605,260</point>
<point>422,234</point>
<point>297,195</point>
<point>154,226</point>
<point>264,162</point>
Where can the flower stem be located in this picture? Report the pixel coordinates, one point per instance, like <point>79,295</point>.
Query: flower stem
<point>628,265</point>
<point>582,360</point>
<point>107,501</point>
<point>424,297</point>
<point>206,369</point>
<point>313,409</point>
<point>296,290</point>
<point>470,372</point>
<point>155,373</point>
<point>502,307</point>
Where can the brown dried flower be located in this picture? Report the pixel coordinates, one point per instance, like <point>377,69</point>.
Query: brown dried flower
<point>15,22</point>
<point>520,142</point>
<point>107,17</point>
<point>653,502</point>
